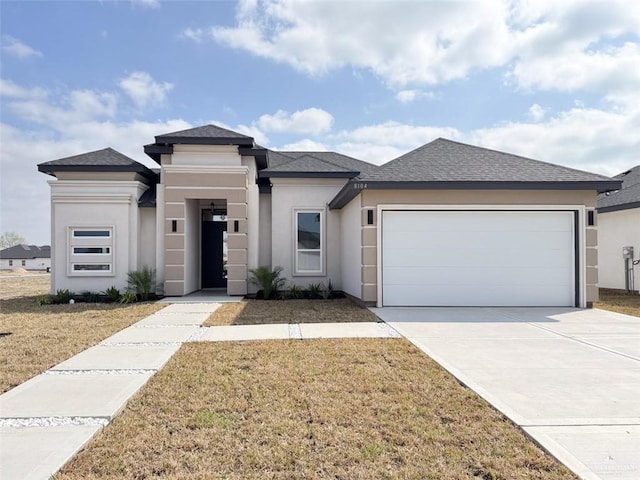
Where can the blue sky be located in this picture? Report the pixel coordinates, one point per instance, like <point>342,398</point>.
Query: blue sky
<point>555,81</point>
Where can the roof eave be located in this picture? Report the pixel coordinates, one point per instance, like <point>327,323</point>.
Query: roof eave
<point>617,208</point>
<point>353,188</point>
<point>264,174</point>
<point>135,168</point>
<point>155,151</point>
<point>172,140</point>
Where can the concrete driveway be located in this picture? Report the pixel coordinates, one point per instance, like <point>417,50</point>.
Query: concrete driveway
<point>570,378</point>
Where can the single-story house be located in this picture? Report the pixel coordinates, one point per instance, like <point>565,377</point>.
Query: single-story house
<point>445,224</point>
<point>619,233</point>
<point>29,257</point>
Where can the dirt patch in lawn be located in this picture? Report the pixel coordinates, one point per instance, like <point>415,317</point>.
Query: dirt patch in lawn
<point>618,301</point>
<point>34,338</point>
<point>253,312</point>
<point>347,409</point>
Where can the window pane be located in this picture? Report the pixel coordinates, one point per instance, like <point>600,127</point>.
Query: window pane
<point>91,267</point>
<point>309,230</point>
<point>309,262</point>
<point>91,233</point>
<point>91,250</point>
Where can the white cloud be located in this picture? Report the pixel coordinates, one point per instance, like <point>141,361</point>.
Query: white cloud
<point>12,90</point>
<point>314,121</point>
<point>543,45</point>
<point>143,90</point>
<point>16,48</point>
<point>305,145</point>
<point>536,112</point>
<point>408,96</point>
<point>198,35</point>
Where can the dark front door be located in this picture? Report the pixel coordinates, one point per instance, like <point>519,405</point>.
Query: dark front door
<point>213,265</point>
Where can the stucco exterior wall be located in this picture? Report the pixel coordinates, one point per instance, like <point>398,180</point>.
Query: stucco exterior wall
<point>264,259</point>
<point>147,245</point>
<point>351,254</point>
<point>196,173</point>
<point>616,230</point>
<point>290,194</point>
<point>98,204</point>
<point>509,198</point>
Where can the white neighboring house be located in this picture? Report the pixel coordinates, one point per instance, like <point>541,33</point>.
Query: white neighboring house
<point>445,224</point>
<point>29,257</point>
<point>618,228</point>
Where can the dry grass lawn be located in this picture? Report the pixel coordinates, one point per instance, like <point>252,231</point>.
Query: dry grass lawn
<point>339,409</point>
<point>34,338</point>
<point>253,312</point>
<point>618,301</point>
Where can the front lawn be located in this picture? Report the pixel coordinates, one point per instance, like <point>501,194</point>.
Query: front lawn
<point>618,301</point>
<point>339,409</point>
<point>253,312</point>
<point>34,338</point>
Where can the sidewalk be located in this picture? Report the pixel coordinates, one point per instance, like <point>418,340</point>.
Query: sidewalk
<point>45,421</point>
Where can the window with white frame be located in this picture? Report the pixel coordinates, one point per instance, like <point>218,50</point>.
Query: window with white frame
<point>309,242</point>
<point>91,251</point>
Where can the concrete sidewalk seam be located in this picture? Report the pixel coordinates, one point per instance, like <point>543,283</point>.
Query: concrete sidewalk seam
<point>103,371</point>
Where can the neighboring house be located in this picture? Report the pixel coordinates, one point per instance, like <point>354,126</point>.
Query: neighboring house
<point>29,257</point>
<point>445,224</point>
<point>618,228</point>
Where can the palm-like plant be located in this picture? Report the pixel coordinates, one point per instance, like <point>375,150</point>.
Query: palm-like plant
<point>268,280</point>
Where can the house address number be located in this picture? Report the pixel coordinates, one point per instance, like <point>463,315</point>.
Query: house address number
<point>360,186</point>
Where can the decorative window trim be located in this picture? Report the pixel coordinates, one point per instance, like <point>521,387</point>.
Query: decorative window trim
<point>296,270</point>
<point>91,251</point>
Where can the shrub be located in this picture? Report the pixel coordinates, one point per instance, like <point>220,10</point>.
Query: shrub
<point>315,290</point>
<point>44,299</point>
<point>112,293</point>
<point>268,281</point>
<point>63,296</point>
<point>128,297</point>
<point>142,282</point>
<point>295,292</point>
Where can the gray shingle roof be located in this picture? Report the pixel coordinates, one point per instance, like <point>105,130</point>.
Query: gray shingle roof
<point>20,252</point>
<point>205,131</point>
<point>284,163</point>
<point>448,161</point>
<point>627,197</point>
<point>104,157</point>
<point>105,160</point>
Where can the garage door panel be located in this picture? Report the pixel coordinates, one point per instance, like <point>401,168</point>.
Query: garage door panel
<point>443,296</point>
<point>473,277</point>
<point>475,257</point>
<point>486,257</point>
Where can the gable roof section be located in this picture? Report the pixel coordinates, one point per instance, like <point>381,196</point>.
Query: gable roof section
<point>445,164</point>
<point>285,164</point>
<point>628,196</point>
<point>24,252</point>
<point>105,160</point>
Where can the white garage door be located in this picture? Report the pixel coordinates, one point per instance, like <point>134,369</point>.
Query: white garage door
<point>478,258</point>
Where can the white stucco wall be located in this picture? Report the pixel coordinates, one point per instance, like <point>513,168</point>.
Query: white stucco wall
<point>286,196</point>
<point>147,256</point>
<point>351,254</point>
<point>253,214</point>
<point>205,155</point>
<point>192,246</point>
<point>111,204</point>
<point>616,230</point>
<point>264,248</point>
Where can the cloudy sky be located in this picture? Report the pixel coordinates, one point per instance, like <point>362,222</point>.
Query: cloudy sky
<point>554,80</point>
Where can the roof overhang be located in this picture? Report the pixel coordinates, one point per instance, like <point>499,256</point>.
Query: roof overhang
<point>276,174</point>
<point>172,140</point>
<point>260,154</point>
<point>154,151</point>
<point>134,168</point>
<point>353,188</point>
<point>617,208</point>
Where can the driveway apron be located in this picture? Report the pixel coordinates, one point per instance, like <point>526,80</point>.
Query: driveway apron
<point>569,377</point>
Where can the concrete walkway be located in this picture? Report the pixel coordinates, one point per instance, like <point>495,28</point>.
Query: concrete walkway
<point>45,421</point>
<point>570,378</point>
